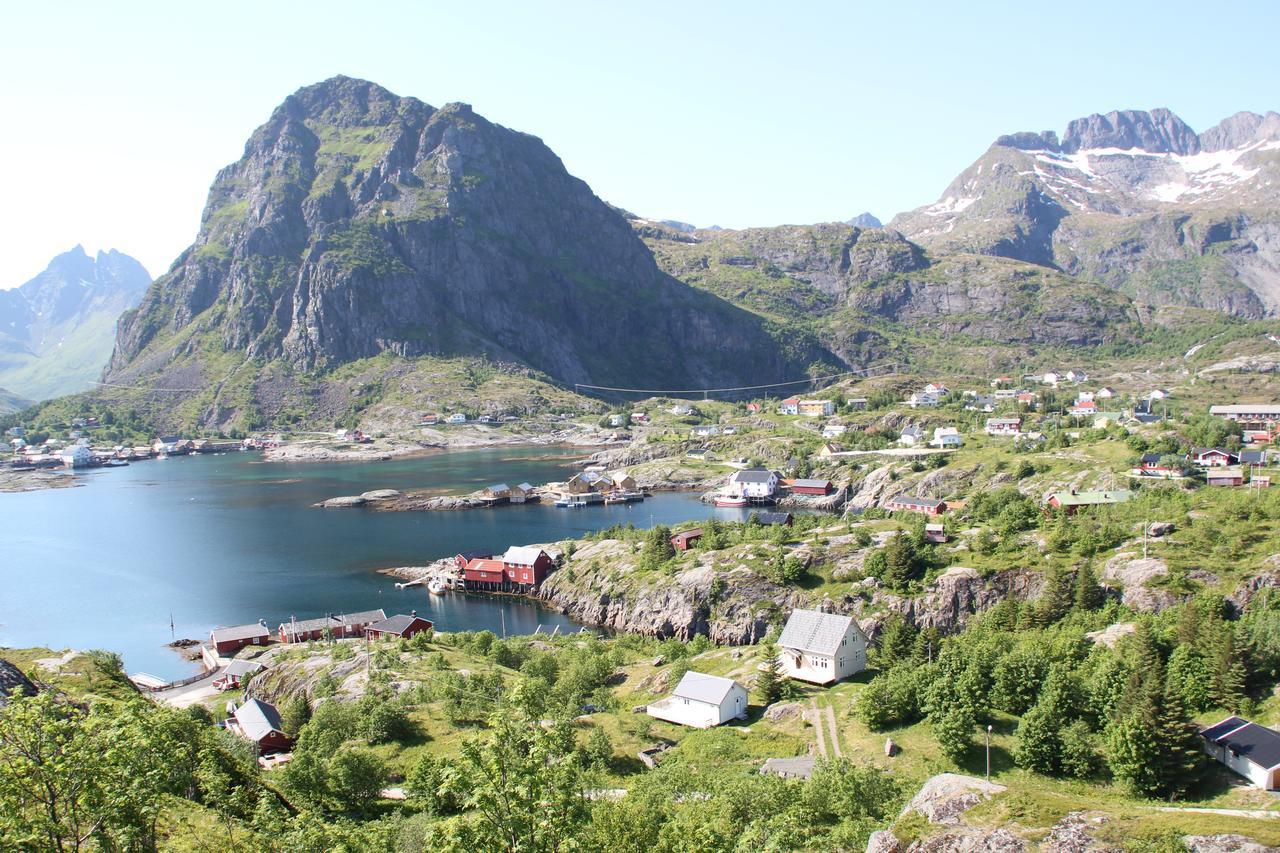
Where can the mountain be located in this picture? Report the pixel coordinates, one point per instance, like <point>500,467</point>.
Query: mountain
<point>11,402</point>
<point>57,330</point>
<point>359,223</point>
<point>864,220</point>
<point>860,290</point>
<point>1132,199</point>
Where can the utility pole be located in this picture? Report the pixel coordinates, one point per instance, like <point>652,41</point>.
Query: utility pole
<point>988,752</point>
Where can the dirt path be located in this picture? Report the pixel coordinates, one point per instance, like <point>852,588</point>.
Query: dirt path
<point>835,733</point>
<point>1229,812</point>
<point>815,717</point>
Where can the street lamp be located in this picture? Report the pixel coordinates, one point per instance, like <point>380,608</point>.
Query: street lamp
<point>988,752</point>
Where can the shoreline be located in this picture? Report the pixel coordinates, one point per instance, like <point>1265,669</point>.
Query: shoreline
<point>435,441</point>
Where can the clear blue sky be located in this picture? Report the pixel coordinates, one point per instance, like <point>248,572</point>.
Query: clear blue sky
<point>117,116</point>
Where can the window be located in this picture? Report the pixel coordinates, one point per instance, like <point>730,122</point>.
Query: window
<point>842,663</point>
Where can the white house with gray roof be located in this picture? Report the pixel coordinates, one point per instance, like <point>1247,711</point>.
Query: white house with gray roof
<point>821,648</point>
<point>702,701</point>
<point>753,483</point>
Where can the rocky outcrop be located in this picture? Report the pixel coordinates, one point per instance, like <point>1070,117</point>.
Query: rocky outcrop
<point>952,599</point>
<point>1228,843</point>
<point>947,796</point>
<point>1268,577</point>
<point>1137,578</point>
<point>13,682</point>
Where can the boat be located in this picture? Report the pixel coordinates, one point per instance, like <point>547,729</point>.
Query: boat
<point>730,501</point>
<point>435,586</point>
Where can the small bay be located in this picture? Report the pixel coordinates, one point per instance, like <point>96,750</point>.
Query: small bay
<point>230,539</point>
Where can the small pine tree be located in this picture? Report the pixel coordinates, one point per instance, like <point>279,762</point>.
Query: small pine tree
<point>1057,597</point>
<point>896,641</point>
<point>1229,673</point>
<point>294,715</point>
<point>769,680</point>
<point>1079,756</point>
<point>599,749</point>
<point>1179,755</point>
<point>1088,594</point>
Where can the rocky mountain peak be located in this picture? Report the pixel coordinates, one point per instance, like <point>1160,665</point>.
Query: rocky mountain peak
<point>865,220</point>
<point>1157,132</point>
<point>1239,130</point>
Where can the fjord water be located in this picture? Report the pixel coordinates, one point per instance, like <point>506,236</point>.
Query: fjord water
<point>225,540</point>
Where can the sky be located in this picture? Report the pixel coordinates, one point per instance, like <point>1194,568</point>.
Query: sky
<point>717,113</point>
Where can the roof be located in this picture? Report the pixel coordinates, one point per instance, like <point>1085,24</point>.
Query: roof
<point>815,631</point>
<point>397,624</point>
<point>773,517</point>
<point>258,719</point>
<point>700,687</point>
<point>914,501</point>
<point>242,667</point>
<point>240,632</point>
<point>751,475</point>
<point>685,534</point>
<point>499,487</point>
<point>484,564</point>
<point>1255,743</point>
<point>1217,730</point>
<point>1253,457</point>
<point>1205,451</point>
<point>1246,409</point>
<point>799,767</point>
<point>1086,498</point>
<point>477,554</point>
<point>333,620</point>
<point>811,484</point>
<point>522,555</point>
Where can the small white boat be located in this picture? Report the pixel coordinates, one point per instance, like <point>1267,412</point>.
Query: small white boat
<point>435,586</point>
<point>730,501</point>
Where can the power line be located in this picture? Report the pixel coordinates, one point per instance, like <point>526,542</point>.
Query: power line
<point>667,391</point>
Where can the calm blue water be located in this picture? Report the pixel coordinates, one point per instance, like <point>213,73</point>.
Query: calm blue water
<point>225,540</point>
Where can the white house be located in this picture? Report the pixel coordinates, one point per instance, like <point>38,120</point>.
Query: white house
<point>924,400</point>
<point>456,418</point>
<point>704,431</point>
<point>821,647</point>
<point>753,483</point>
<point>833,430</point>
<point>935,389</point>
<point>1004,426</point>
<point>1247,748</point>
<point>1158,394</point>
<point>789,406</point>
<point>76,456</point>
<point>1051,377</point>
<point>946,437</point>
<point>681,409</point>
<point>615,420</point>
<point>1105,393</point>
<point>911,436</point>
<point>1084,397</point>
<point>702,701</point>
<point>1077,376</point>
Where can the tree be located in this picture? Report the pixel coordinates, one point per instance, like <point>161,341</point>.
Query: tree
<point>1039,740</point>
<point>295,714</point>
<point>527,789</point>
<point>1018,678</point>
<point>1189,677</point>
<point>435,784</point>
<point>899,560</point>
<point>1079,756</point>
<point>382,721</point>
<point>1088,594</point>
<point>953,729</point>
<point>599,749</point>
<point>657,547</point>
<point>1229,673</point>
<point>769,680</point>
<point>1056,599</point>
<point>896,641</point>
<point>356,776</point>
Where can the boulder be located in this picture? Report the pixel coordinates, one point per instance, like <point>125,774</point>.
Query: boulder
<point>890,748</point>
<point>1111,634</point>
<point>966,840</point>
<point>345,501</point>
<point>783,711</point>
<point>380,494</point>
<point>883,841</point>
<point>943,798</point>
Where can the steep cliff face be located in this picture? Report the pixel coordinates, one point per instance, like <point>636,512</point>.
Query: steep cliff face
<point>1132,199</point>
<point>359,223</point>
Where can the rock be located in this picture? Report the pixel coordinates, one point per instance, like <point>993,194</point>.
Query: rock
<point>1157,529</point>
<point>1224,844</point>
<point>943,798</point>
<point>1070,834</point>
<point>347,501</point>
<point>883,841</point>
<point>1111,634</point>
<point>955,596</point>
<point>659,661</point>
<point>1266,578</point>
<point>783,711</point>
<point>736,654</point>
<point>380,495</point>
<point>966,840</point>
<point>1135,577</point>
<point>890,748</point>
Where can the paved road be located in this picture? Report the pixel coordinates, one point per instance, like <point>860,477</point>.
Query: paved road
<point>190,694</point>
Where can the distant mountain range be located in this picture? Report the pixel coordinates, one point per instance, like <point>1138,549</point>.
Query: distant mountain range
<point>57,330</point>
<point>1134,200</point>
<point>367,229</point>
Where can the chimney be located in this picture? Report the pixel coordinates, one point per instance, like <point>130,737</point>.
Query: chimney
<point>413,613</point>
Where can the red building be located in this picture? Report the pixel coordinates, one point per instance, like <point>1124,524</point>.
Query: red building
<point>906,503</point>
<point>332,626</point>
<point>687,539</point>
<point>484,574</point>
<point>526,566</point>
<point>461,560</point>
<point>811,487</point>
<point>259,722</point>
<point>228,641</point>
<point>399,625</point>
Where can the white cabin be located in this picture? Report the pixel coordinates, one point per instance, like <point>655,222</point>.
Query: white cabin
<point>702,701</point>
<point>753,483</point>
<point>821,648</point>
<point>1251,750</point>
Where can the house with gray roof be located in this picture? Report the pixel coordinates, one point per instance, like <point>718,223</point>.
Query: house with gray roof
<point>1247,748</point>
<point>259,722</point>
<point>821,648</point>
<point>702,701</point>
